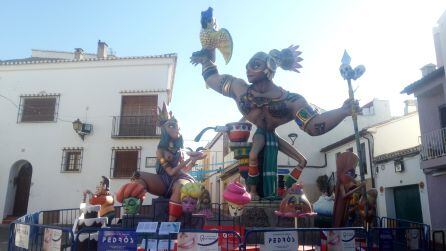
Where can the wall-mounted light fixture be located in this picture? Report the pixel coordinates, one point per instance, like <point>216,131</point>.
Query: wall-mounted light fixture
<point>82,129</point>
<point>399,166</point>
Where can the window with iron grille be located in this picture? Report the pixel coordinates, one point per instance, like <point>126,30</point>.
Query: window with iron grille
<point>71,160</point>
<point>37,108</point>
<point>151,162</point>
<point>124,162</point>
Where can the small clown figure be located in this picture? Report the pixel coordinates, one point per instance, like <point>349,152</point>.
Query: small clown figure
<point>104,198</point>
<point>190,193</point>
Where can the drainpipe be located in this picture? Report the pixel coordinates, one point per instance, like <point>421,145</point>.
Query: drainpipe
<point>370,157</point>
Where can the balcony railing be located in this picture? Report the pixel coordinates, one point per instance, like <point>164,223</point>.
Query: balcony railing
<point>433,144</point>
<point>135,126</point>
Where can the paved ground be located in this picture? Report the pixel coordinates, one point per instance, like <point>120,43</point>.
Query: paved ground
<point>3,237</point>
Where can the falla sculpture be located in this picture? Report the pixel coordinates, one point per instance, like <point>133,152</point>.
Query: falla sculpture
<point>172,168</point>
<point>267,106</point>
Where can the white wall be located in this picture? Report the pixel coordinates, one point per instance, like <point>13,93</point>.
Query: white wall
<point>89,91</point>
<point>388,179</point>
<point>400,134</point>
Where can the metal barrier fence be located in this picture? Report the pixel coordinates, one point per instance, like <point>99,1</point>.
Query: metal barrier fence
<point>386,222</point>
<point>404,238</point>
<point>254,239</point>
<point>306,239</point>
<point>29,236</point>
<point>88,239</point>
<point>438,244</point>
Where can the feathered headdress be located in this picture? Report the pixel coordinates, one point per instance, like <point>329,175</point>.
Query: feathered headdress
<point>164,116</point>
<point>287,59</point>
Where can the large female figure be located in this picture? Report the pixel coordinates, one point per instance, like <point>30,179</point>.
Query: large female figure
<point>268,106</point>
<point>171,173</point>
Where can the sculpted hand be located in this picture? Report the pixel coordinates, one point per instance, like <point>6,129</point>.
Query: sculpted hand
<point>202,56</point>
<point>351,105</point>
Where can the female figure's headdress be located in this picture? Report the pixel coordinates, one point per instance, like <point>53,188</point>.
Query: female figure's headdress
<point>164,116</point>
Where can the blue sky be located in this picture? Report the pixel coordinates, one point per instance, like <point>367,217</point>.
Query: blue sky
<point>393,39</point>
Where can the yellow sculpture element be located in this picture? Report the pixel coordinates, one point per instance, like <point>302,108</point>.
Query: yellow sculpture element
<point>211,37</point>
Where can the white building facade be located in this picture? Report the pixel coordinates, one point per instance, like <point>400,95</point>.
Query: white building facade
<point>44,163</point>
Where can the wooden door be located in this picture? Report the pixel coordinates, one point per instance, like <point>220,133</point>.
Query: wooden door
<point>23,183</point>
<point>138,115</point>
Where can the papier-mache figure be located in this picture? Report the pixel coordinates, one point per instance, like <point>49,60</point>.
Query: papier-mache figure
<point>237,197</point>
<point>204,203</point>
<point>268,106</point>
<point>104,198</point>
<point>295,203</point>
<point>190,193</point>
<point>347,192</point>
<point>171,172</point>
<point>131,195</point>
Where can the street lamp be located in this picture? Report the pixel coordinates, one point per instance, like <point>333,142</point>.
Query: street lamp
<point>82,129</point>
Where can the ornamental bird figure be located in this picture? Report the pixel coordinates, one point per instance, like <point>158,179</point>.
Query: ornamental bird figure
<point>211,37</point>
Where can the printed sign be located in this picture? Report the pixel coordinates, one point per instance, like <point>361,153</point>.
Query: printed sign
<point>52,239</point>
<point>413,238</point>
<point>152,244</point>
<point>21,235</point>
<point>164,245</point>
<point>386,239</point>
<point>339,240</point>
<point>197,241</point>
<point>117,240</point>
<point>169,228</point>
<point>147,227</point>
<point>280,241</point>
<point>225,239</point>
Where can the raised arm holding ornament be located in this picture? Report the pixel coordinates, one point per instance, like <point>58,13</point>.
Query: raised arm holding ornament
<point>265,104</point>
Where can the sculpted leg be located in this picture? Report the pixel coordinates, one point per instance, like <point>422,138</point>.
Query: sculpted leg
<point>175,208</point>
<point>258,142</point>
<point>289,150</point>
<point>152,183</point>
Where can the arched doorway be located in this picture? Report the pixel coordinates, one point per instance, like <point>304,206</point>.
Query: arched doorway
<point>20,175</point>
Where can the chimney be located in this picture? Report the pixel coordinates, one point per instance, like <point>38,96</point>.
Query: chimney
<point>102,49</point>
<point>425,70</point>
<point>410,106</point>
<point>78,54</point>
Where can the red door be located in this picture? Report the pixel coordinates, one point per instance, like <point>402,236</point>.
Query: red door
<point>23,183</point>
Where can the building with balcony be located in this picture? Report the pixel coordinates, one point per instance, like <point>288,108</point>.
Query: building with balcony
<point>44,163</point>
<point>430,93</point>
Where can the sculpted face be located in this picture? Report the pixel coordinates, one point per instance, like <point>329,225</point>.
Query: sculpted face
<point>172,129</point>
<point>131,205</point>
<point>189,204</point>
<point>348,176</point>
<point>100,189</point>
<point>255,70</point>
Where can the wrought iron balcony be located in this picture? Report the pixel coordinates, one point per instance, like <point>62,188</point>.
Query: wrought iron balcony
<point>433,144</point>
<point>135,127</point>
